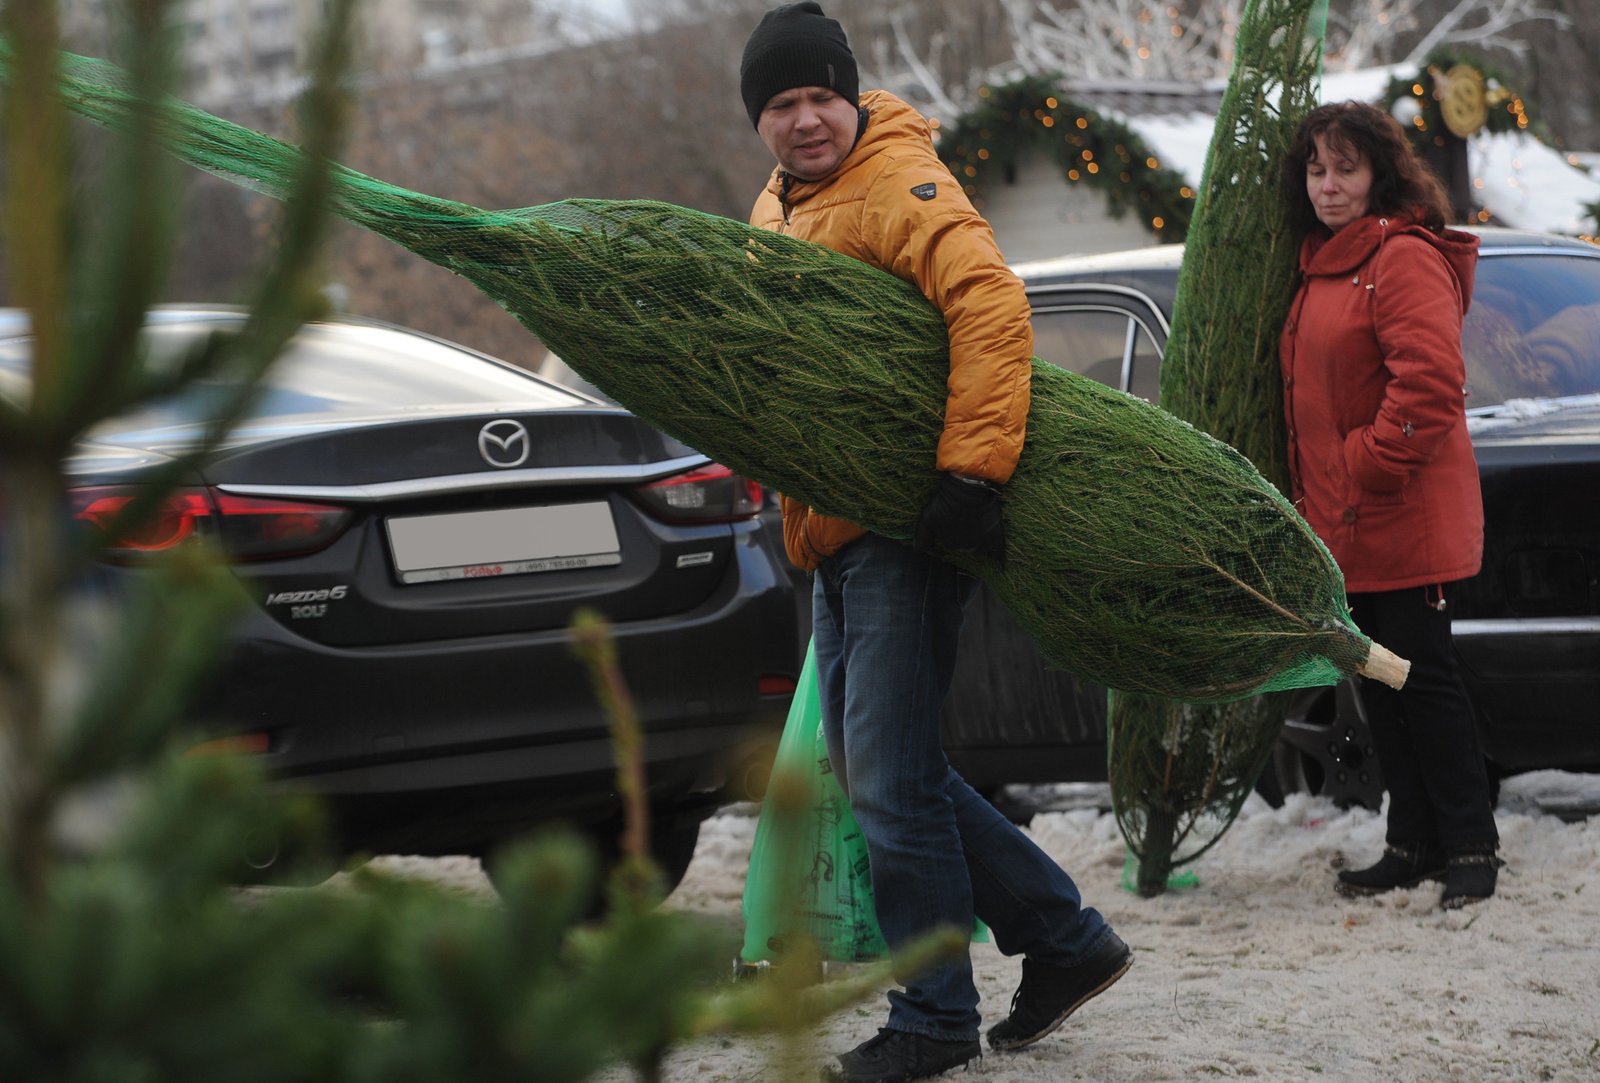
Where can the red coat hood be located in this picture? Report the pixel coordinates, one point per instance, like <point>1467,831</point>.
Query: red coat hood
<point>1341,253</point>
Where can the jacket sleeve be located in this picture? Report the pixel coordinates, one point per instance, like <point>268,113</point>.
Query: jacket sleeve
<point>944,247</point>
<point>1417,310</point>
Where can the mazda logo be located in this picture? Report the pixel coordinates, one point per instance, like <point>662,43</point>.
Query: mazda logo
<point>503,443</point>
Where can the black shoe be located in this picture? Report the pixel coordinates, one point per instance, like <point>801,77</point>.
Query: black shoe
<point>1048,994</point>
<point>1402,865</point>
<point>896,1055</point>
<point>1469,877</point>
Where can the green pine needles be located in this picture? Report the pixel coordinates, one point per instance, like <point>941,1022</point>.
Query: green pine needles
<point>1180,771</point>
<point>1141,553</point>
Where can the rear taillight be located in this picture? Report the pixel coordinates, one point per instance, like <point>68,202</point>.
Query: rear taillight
<point>246,528</point>
<point>776,684</point>
<point>239,744</point>
<point>708,494</point>
<point>253,528</point>
<point>177,519</point>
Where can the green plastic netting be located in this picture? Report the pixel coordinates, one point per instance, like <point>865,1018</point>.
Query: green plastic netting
<point>1180,772</point>
<point>1141,552</point>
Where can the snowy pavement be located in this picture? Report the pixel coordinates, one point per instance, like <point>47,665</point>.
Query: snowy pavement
<point>1261,971</point>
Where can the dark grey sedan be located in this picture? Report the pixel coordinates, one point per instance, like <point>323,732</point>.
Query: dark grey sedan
<point>415,525</point>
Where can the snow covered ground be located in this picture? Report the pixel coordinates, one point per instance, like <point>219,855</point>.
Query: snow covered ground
<point>1262,971</point>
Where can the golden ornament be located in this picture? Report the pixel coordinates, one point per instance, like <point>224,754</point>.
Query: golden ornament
<point>1462,100</point>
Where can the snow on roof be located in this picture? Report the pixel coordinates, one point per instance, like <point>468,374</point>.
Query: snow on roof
<point>1525,183</point>
<point>1521,181</point>
<point>1166,255</point>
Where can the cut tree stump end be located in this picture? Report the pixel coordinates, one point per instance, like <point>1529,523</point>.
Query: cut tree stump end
<point>1384,665</point>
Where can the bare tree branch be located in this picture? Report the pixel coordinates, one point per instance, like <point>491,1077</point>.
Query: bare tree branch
<point>1492,31</point>
<point>923,73</point>
<point>1192,40</point>
<point>1362,35</point>
<point>1123,39</point>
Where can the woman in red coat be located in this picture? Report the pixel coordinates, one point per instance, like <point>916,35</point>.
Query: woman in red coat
<point>1382,468</point>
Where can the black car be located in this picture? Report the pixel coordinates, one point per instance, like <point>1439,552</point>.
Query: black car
<point>1527,627</point>
<point>415,525</point>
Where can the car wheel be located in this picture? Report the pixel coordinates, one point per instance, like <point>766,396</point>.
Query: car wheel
<point>672,845</point>
<point>1019,811</point>
<point>278,859</point>
<point>673,839</point>
<point>751,772</point>
<point>1496,776</point>
<point>1325,748</point>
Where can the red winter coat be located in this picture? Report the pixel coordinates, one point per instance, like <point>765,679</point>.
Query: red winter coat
<point>1380,463</point>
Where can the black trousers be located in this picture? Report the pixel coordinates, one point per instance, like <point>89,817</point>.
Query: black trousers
<point>1424,733</point>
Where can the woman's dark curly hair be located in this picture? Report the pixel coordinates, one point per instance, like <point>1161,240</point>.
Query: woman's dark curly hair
<point>1401,181</point>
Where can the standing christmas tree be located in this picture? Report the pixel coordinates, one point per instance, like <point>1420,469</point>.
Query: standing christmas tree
<point>1180,771</point>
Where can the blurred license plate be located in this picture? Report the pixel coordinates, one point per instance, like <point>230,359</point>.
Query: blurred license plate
<point>510,541</point>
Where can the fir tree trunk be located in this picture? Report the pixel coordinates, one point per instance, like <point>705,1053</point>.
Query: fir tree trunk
<point>1160,836</point>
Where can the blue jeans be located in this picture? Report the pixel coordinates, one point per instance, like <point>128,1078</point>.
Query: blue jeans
<point>886,621</point>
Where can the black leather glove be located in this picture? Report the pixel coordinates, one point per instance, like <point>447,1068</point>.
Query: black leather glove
<point>962,518</point>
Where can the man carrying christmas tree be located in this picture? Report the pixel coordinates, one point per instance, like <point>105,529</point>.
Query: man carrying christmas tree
<point>860,175</point>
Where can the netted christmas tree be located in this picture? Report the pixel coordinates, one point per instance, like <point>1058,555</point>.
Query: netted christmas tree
<point>135,943</point>
<point>1180,771</point>
<point>1141,552</point>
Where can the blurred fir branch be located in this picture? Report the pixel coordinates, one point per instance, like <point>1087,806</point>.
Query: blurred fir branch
<point>87,270</point>
<point>131,944</point>
<point>637,881</point>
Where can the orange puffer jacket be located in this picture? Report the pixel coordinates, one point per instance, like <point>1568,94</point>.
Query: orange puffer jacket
<point>1380,461</point>
<point>893,204</point>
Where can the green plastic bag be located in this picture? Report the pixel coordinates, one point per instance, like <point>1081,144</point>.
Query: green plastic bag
<point>809,875</point>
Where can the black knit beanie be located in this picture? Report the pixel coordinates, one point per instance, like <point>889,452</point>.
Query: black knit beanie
<point>795,45</point>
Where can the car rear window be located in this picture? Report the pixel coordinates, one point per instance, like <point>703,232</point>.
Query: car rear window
<point>331,370</point>
<point>1533,329</point>
<point>1103,343</point>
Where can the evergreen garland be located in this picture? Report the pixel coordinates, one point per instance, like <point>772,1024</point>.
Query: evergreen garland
<point>1422,96</point>
<point>1088,147</point>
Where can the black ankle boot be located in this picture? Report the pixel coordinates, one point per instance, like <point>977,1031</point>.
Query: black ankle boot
<point>895,1056</point>
<point>1470,875</point>
<point>1402,865</point>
